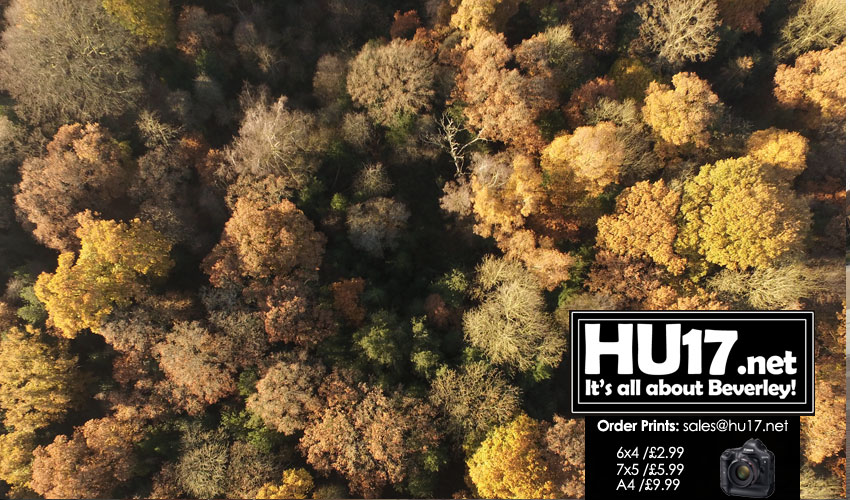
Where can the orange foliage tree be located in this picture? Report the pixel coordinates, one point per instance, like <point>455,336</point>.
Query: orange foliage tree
<point>644,224</point>
<point>816,85</point>
<point>502,103</point>
<point>85,168</point>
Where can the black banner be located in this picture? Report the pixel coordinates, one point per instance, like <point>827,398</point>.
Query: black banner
<point>692,362</point>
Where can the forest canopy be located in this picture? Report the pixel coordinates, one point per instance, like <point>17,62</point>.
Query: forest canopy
<point>300,249</point>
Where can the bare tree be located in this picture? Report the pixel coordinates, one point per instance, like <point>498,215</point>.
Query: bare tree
<point>679,30</point>
<point>451,137</point>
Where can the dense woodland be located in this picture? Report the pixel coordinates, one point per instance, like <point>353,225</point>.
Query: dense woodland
<point>318,249</point>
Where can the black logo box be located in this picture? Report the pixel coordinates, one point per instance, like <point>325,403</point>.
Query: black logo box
<point>760,333</point>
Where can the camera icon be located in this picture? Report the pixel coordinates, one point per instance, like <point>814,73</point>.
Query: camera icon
<point>748,471</point>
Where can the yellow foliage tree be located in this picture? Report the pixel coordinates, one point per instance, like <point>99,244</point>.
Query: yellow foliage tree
<point>296,483</point>
<point>512,463</point>
<point>631,77</point>
<point>16,450</point>
<point>114,258</point>
<point>487,14</point>
<point>737,214</point>
<point>594,154</point>
<point>37,387</point>
<point>644,225</point>
<point>150,20</point>
<point>783,149</point>
<point>824,432</point>
<point>37,381</point>
<point>681,115</point>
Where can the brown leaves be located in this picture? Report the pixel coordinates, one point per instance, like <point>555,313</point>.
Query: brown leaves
<point>85,168</point>
<point>262,242</point>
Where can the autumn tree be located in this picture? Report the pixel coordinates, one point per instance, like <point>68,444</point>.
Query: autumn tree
<point>346,295</point>
<point>740,15</point>
<point>816,85</point>
<point>38,385</point>
<point>376,224</point>
<point>490,15</point>
<point>474,398</point>
<point>265,241</point>
<point>295,483</point>
<point>644,224</point>
<point>595,22</point>
<point>197,361</point>
<point>151,21</point>
<point>115,262</point>
<point>275,140</point>
<point>16,455</point>
<point>84,168</point>
<point>679,31</point>
<point>374,439</point>
<point>684,114</point>
<point>507,197</point>
<point>585,97</point>
<point>816,25</point>
<point>823,434</point>
<point>292,312</point>
<point>783,149</point>
<point>96,459</point>
<point>631,77</point>
<point>553,52</point>
<point>565,439</point>
<point>502,103</point>
<point>392,80</point>
<point>198,31</point>
<point>512,462</point>
<point>83,61</point>
<point>404,24</point>
<point>287,395</point>
<point>38,381</point>
<point>736,214</point>
<point>510,324</point>
<point>593,154</point>
<point>779,287</point>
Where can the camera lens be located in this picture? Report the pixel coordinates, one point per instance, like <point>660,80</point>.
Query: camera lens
<point>742,472</point>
